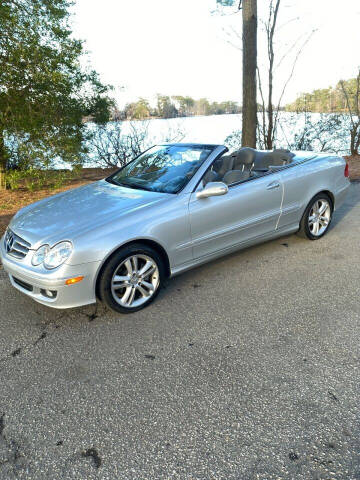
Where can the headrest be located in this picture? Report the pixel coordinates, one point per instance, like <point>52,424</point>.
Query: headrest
<point>281,156</point>
<point>275,158</point>
<point>244,156</point>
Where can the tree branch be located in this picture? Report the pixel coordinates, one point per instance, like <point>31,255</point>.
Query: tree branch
<point>291,75</point>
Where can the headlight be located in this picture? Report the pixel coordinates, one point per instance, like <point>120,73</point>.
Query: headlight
<point>40,254</point>
<point>58,254</point>
<point>52,257</point>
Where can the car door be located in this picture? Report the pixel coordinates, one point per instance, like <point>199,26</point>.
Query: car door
<point>248,211</point>
<point>297,181</point>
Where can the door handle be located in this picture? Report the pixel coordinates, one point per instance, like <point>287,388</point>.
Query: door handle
<point>273,185</point>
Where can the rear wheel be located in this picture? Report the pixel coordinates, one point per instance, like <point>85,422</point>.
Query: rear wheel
<point>132,278</point>
<point>317,217</point>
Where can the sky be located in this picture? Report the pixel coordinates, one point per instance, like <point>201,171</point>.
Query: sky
<point>186,47</point>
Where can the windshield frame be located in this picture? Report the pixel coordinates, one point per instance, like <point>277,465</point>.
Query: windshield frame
<point>205,146</point>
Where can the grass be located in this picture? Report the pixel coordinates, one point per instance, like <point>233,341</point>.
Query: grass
<point>12,200</point>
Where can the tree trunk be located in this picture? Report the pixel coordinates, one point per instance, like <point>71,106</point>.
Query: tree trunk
<point>357,145</point>
<point>271,31</point>
<point>354,141</point>
<point>270,130</point>
<point>249,119</point>
<point>3,159</point>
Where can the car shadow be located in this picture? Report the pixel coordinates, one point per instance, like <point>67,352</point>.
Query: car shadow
<point>352,200</point>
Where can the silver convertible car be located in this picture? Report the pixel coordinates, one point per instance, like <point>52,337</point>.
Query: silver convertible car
<point>172,208</point>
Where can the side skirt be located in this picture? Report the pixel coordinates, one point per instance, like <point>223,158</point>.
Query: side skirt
<point>289,229</point>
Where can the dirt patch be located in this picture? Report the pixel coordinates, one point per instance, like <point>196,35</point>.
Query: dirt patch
<point>354,166</point>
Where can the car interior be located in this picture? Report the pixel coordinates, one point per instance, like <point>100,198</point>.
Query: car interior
<point>245,164</point>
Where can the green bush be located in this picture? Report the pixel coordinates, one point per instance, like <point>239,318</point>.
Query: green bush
<point>60,179</point>
<point>14,178</point>
<point>33,179</point>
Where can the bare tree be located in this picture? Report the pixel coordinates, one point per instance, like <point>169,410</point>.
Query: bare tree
<point>268,120</point>
<point>270,31</point>
<point>270,113</point>
<point>300,131</point>
<point>352,99</point>
<point>109,146</point>
<point>249,40</point>
<point>326,134</point>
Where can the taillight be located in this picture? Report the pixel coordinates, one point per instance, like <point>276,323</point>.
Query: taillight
<point>346,171</point>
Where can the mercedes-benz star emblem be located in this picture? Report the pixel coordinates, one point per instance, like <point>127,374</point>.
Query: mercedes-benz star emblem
<point>9,242</point>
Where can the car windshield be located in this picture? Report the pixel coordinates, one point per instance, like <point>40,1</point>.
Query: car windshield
<point>164,168</point>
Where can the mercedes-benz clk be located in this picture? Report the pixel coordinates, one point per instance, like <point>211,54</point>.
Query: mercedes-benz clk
<point>172,208</point>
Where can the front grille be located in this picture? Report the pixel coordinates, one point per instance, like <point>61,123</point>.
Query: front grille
<point>16,246</point>
<point>22,284</point>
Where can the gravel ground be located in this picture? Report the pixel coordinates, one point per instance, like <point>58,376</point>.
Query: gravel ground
<point>245,368</point>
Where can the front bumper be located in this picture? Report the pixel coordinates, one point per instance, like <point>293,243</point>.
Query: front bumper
<point>38,285</point>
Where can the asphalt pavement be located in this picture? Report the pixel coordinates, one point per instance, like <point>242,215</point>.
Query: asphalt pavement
<point>245,368</point>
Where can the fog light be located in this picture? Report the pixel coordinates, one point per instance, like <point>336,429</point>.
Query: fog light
<point>71,281</point>
<point>48,293</point>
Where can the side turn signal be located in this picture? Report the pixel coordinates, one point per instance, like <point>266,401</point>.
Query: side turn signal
<point>72,281</point>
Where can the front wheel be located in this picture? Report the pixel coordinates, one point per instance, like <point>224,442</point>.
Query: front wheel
<point>317,217</point>
<point>131,279</point>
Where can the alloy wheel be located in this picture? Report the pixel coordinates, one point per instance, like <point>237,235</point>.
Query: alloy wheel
<point>135,281</point>
<point>319,217</point>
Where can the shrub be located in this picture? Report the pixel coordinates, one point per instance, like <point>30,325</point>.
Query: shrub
<point>14,179</point>
<point>33,179</point>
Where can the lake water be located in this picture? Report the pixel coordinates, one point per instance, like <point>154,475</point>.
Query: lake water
<point>216,128</point>
<point>201,129</point>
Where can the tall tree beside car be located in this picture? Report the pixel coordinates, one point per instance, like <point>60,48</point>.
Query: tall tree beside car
<point>249,63</point>
<point>249,17</point>
<point>44,93</point>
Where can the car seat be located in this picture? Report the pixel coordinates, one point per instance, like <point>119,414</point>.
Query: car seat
<point>235,176</point>
<point>222,166</point>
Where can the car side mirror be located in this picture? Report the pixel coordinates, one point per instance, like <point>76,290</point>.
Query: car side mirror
<point>213,189</point>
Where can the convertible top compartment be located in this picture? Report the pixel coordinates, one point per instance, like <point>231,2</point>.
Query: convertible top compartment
<point>247,162</point>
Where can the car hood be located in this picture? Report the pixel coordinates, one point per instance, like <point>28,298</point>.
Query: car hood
<point>63,216</point>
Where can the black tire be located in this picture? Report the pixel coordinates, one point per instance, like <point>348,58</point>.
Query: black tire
<point>305,231</point>
<point>112,265</point>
